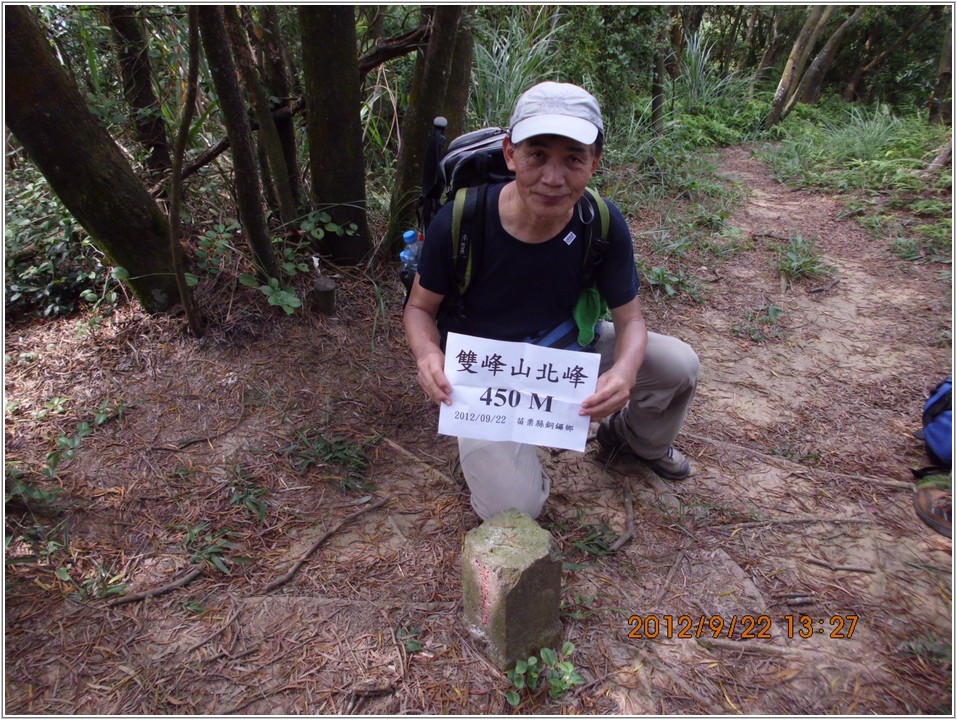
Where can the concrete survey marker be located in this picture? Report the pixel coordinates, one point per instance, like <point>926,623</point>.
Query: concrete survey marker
<point>511,583</point>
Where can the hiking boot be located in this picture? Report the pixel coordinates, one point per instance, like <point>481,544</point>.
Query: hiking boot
<point>935,507</point>
<point>608,438</point>
<point>671,466</point>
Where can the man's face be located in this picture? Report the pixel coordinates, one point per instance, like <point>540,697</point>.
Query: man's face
<point>551,172</point>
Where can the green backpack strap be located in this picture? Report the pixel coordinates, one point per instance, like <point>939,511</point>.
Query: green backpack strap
<point>468,220</point>
<point>602,212</point>
<point>595,249</point>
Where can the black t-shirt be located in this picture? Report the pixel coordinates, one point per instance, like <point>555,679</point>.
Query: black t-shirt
<point>520,289</point>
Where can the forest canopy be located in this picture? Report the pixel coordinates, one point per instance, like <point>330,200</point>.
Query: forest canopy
<point>296,151</point>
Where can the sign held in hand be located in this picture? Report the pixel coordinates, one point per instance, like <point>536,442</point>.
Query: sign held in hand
<point>517,391</point>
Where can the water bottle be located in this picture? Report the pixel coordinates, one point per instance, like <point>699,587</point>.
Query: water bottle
<point>409,257</point>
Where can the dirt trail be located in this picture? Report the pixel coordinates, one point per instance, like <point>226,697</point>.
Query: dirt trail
<point>800,506</point>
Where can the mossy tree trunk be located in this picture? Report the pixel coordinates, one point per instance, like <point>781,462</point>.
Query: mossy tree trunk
<point>133,56</point>
<point>797,59</point>
<point>809,89</point>
<point>83,165</point>
<point>248,188</point>
<point>268,133</point>
<point>336,163</point>
<point>460,78</point>
<point>428,98</point>
<point>273,61</point>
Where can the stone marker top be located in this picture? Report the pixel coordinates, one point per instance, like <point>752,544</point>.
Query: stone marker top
<point>511,587</point>
<point>513,538</point>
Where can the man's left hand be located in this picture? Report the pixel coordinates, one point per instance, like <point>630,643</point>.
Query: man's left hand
<point>610,396</point>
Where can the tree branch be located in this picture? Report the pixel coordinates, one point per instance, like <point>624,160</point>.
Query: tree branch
<point>393,47</point>
<point>383,51</point>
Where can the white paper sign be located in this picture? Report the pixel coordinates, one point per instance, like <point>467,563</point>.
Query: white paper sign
<point>517,391</point>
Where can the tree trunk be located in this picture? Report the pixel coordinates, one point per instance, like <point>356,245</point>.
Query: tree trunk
<point>850,92</point>
<point>195,322</point>
<point>372,17</point>
<point>677,41</point>
<point>248,188</point>
<point>460,79</point>
<point>728,48</point>
<point>691,17</point>
<point>773,45</point>
<point>336,162</point>
<point>83,164</point>
<point>427,99</point>
<point>940,160</point>
<point>658,79</point>
<point>795,64</point>
<point>809,89</point>
<point>133,56</point>
<point>392,47</point>
<point>275,72</point>
<point>752,23</point>
<point>939,103</point>
<point>815,36</point>
<point>268,134</point>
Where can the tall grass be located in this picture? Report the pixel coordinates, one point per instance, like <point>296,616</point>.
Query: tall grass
<point>860,135</point>
<point>509,60</point>
<point>698,86</point>
<point>853,148</point>
<point>630,164</point>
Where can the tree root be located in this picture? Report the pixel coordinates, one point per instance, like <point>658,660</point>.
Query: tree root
<point>279,582</point>
<point>786,464</point>
<point>156,592</point>
<point>630,511</point>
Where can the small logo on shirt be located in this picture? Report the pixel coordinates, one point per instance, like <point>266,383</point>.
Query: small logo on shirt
<point>570,238</point>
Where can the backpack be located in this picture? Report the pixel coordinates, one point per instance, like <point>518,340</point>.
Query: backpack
<point>937,425</point>
<point>462,176</point>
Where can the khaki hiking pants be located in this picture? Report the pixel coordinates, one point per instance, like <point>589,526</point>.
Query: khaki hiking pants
<point>504,474</point>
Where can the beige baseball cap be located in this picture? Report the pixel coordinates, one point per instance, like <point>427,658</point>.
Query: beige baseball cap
<point>552,108</point>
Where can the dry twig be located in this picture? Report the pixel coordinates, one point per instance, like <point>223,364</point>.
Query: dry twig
<point>415,458</point>
<point>155,592</point>
<point>671,574</point>
<point>217,633</point>
<point>842,568</point>
<point>315,546</point>
<point>756,648</point>
<point>630,510</point>
<point>806,519</point>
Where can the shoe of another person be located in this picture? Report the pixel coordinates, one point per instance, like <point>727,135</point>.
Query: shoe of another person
<point>671,466</point>
<point>935,508</point>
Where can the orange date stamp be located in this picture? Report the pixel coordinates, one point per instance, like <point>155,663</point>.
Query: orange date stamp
<point>748,627</point>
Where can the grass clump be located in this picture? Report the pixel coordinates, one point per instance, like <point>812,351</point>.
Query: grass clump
<point>345,460</point>
<point>799,258</point>
<point>761,324</point>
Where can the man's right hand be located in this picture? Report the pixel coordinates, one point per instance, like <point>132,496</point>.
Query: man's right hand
<point>432,378</point>
<point>422,335</point>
